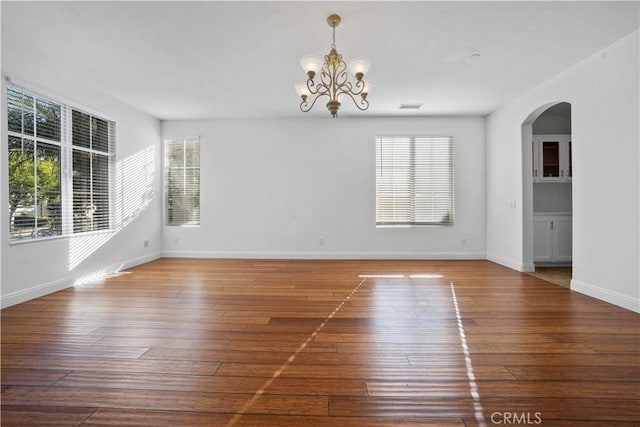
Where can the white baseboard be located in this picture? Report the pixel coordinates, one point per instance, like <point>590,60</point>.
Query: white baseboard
<point>35,292</point>
<point>65,282</point>
<point>142,259</point>
<point>512,264</point>
<point>615,298</point>
<point>326,255</point>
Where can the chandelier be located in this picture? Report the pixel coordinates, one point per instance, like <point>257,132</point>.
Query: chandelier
<point>334,79</point>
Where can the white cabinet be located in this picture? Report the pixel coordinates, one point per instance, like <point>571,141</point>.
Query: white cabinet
<point>552,158</point>
<point>552,238</point>
<point>542,251</point>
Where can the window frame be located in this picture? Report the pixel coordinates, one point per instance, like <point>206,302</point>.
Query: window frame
<point>66,171</point>
<point>166,181</point>
<point>412,215</point>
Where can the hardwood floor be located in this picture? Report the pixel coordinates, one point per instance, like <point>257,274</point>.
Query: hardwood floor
<point>181,342</point>
<point>558,275</point>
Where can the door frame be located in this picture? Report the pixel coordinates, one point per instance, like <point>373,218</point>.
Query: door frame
<point>527,184</point>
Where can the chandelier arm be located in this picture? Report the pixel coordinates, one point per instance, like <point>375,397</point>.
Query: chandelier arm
<point>321,90</point>
<point>303,104</point>
<point>359,87</point>
<point>362,105</point>
<point>325,77</point>
<point>356,89</point>
<point>347,88</point>
<point>344,86</point>
<point>312,87</point>
<point>341,75</point>
<point>325,81</point>
<point>339,78</point>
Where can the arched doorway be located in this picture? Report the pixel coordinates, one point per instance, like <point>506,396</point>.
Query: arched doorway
<point>547,191</point>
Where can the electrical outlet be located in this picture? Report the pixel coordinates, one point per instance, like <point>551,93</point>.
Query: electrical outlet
<point>146,243</point>
<point>321,241</point>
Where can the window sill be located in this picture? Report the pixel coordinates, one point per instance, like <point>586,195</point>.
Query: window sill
<point>58,237</point>
<point>413,225</point>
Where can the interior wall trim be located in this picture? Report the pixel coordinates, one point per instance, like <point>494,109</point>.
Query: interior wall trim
<point>517,265</point>
<point>68,281</point>
<point>326,255</point>
<point>34,292</point>
<point>624,301</point>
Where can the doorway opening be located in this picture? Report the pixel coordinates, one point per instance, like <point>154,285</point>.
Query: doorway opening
<point>547,193</point>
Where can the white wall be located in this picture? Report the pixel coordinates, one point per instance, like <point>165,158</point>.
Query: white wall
<point>273,188</point>
<point>63,261</point>
<point>552,125</point>
<point>552,197</point>
<point>604,94</point>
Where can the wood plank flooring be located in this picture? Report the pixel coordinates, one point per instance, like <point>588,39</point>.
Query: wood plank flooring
<point>557,275</point>
<point>206,342</point>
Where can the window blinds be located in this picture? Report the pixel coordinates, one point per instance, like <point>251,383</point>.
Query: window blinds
<point>414,181</point>
<point>183,181</point>
<point>91,145</point>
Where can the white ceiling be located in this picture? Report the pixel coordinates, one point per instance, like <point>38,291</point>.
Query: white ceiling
<point>207,59</point>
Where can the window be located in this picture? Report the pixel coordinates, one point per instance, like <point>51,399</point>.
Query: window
<point>414,181</point>
<point>60,162</point>
<point>182,181</point>
<point>90,155</point>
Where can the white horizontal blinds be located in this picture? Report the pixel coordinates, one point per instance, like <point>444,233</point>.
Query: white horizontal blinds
<point>183,181</point>
<point>393,181</point>
<point>34,127</point>
<point>414,181</point>
<point>434,198</point>
<point>91,157</point>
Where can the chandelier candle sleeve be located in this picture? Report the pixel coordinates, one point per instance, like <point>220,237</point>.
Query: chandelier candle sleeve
<point>333,78</point>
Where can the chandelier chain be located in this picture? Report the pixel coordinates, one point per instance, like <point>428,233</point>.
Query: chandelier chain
<point>333,45</point>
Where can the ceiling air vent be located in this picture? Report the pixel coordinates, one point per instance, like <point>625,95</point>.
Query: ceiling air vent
<point>410,106</point>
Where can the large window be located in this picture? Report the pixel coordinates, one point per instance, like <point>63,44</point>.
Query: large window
<point>414,181</point>
<point>182,161</point>
<point>90,172</point>
<point>60,161</point>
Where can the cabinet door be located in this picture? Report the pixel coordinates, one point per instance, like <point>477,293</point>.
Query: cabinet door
<point>552,158</point>
<point>568,160</point>
<point>535,158</point>
<point>542,240</point>
<point>562,239</point>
